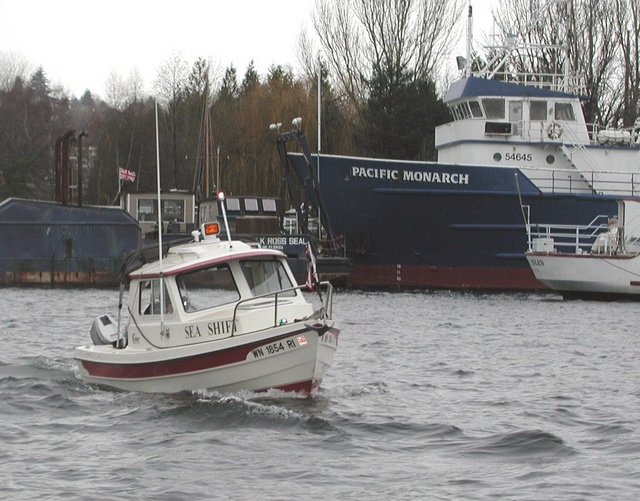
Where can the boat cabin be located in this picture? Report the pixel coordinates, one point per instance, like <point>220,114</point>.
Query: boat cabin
<point>248,216</point>
<point>489,110</point>
<point>178,212</point>
<point>209,290</point>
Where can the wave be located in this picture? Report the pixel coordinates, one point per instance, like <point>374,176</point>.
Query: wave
<point>520,444</point>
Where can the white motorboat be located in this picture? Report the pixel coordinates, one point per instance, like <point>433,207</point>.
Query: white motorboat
<point>216,315</point>
<point>600,260</point>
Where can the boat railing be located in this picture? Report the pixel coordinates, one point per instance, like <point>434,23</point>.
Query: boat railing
<point>325,312</point>
<point>551,81</point>
<point>565,180</point>
<point>574,239</point>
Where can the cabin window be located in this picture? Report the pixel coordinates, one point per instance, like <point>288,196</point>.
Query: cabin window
<point>208,288</point>
<point>538,110</point>
<point>173,210</point>
<point>476,110</point>
<point>265,277</point>
<point>564,111</point>
<point>150,298</point>
<point>494,108</point>
<point>233,204</point>
<point>464,109</point>
<point>269,205</point>
<point>251,204</point>
<point>147,210</point>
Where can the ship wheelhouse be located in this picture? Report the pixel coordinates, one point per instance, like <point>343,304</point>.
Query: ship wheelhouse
<point>490,113</point>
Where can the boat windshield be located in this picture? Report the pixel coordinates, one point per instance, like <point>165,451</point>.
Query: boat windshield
<point>266,276</point>
<point>207,288</point>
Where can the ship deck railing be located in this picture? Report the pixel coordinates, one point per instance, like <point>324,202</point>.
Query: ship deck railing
<point>572,181</point>
<point>580,239</point>
<point>554,81</point>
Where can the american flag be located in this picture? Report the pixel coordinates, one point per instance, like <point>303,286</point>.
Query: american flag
<point>127,175</point>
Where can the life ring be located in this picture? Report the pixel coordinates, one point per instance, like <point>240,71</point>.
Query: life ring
<point>554,130</point>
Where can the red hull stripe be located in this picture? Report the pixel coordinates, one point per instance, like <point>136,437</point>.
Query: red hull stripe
<point>183,365</point>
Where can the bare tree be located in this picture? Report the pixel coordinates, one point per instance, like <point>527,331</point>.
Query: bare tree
<point>577,33</point>
<point>361,38</point>
<point>116,91</point>
<point>170,88</point>
<point>135,86</point>
<point>627,28</point>
<point>12,66</point>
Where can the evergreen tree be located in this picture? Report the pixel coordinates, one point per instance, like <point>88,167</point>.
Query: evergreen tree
<point>400,117</point>
<point>251,79</point>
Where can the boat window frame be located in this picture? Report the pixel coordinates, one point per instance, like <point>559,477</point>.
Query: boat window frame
<point>535,109</point>
<point>269,205</point>
<point>187,291</point>
<point>149,298</point>
<point>251,205</point>
<point>476,109</point>
<point>466,112</point>
<point>254,289</point>
<point>564,112</point>
<point>494,107</point>
<point>456,113</point>
<point>232,204</point>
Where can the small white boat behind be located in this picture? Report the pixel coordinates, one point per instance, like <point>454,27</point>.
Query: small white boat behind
<point>217,315</point>
<point>600,260</point>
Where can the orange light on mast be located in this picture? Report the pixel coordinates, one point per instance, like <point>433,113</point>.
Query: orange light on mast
<point>211,229</point>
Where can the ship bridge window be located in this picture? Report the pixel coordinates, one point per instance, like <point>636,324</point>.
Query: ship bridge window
<point>266,276</point>
<point>494,108</point>
<point>564,111</point>
<point>207,288</point>
<point>476,110</point>
<point>456,112</point>
<point>538,110</point>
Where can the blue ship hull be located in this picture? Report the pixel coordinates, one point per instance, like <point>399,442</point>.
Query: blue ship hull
<point>419,224</point>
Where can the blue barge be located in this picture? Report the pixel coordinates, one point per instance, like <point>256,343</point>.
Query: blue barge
<point>51,243</point>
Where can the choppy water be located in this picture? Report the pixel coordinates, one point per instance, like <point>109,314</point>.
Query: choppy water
<point>433,395</point>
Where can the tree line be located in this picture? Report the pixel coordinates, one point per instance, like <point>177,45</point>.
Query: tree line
<point>382,74</point>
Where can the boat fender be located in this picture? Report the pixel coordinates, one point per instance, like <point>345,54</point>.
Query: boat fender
<point>554,130</point>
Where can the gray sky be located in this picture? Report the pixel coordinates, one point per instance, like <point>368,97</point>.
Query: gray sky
<point>79,44</point>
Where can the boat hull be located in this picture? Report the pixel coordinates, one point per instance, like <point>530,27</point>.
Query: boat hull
<point>401,230</point>
<point>587,276</point>
<point>291,358</point>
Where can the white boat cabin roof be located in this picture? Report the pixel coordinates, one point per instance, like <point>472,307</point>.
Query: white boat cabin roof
<point>187,257</point>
